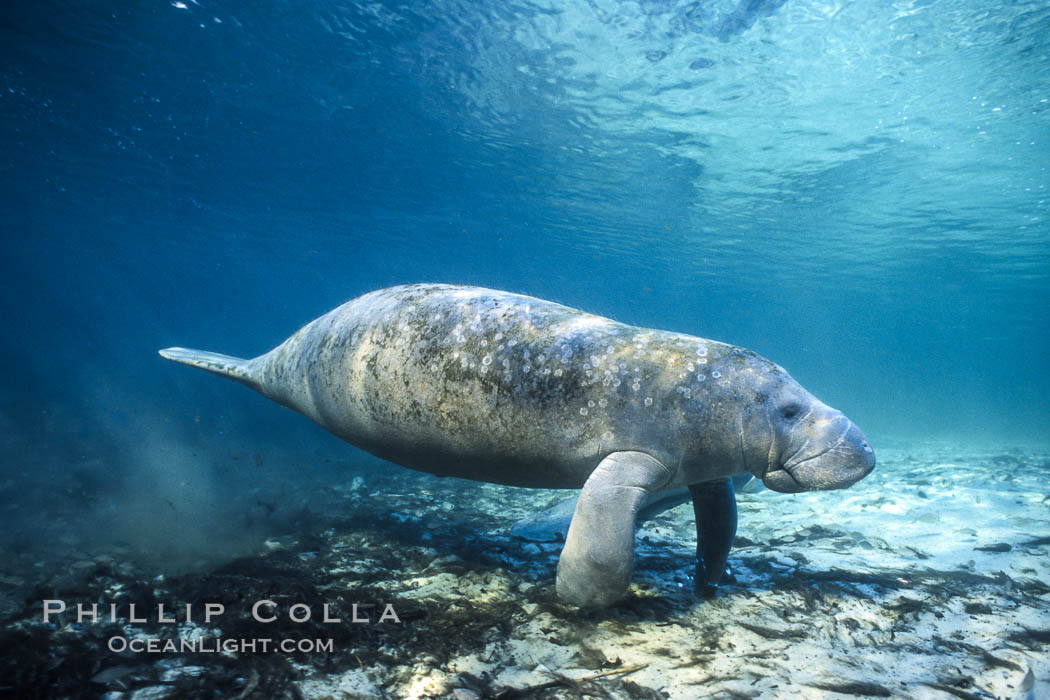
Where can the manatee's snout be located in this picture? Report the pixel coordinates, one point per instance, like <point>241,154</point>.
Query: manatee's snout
<point>828,453</point>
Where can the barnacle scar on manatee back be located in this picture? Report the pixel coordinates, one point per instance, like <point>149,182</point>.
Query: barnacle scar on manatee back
<point>504,388</point>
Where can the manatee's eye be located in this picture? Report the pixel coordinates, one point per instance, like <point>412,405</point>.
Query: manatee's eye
<point>790,410</point>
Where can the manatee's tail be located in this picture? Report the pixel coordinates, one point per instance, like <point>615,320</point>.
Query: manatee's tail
<point>233,367</point>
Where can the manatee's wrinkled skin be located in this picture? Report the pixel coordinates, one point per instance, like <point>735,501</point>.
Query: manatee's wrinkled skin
<point>503,388</point>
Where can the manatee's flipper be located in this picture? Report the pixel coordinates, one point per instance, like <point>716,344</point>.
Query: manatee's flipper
<point>714,504</point>
<point>596,562</point>
<point>552,525</point>
<point>662,501</point>
<point>236,368</point>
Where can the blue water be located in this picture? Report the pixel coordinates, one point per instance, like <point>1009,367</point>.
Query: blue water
<point>858,191</point>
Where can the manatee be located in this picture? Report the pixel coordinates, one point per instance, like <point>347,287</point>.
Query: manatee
<point>552,524</point>
<point>509,389</point>
<point>715,517</point>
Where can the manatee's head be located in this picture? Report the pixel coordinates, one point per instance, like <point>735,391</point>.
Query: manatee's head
<point>811,446</point>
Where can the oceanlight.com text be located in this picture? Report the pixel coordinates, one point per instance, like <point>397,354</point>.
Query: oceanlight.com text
<point>207,645</point>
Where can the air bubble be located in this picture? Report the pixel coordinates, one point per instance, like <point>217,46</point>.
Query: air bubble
<point>583,411</point>
<point>636,386</point>
<point>526,369</point>
<point>590,404</point>
<point>701,377</point>
<point>486,361</point>
<point>603,403</point>
<point>716,374</point>
<point>648,401</point>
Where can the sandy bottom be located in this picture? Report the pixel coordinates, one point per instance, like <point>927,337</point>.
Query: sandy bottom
<point>929,579</point>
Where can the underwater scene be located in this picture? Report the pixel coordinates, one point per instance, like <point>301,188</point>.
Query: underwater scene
<point>655,349</point>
